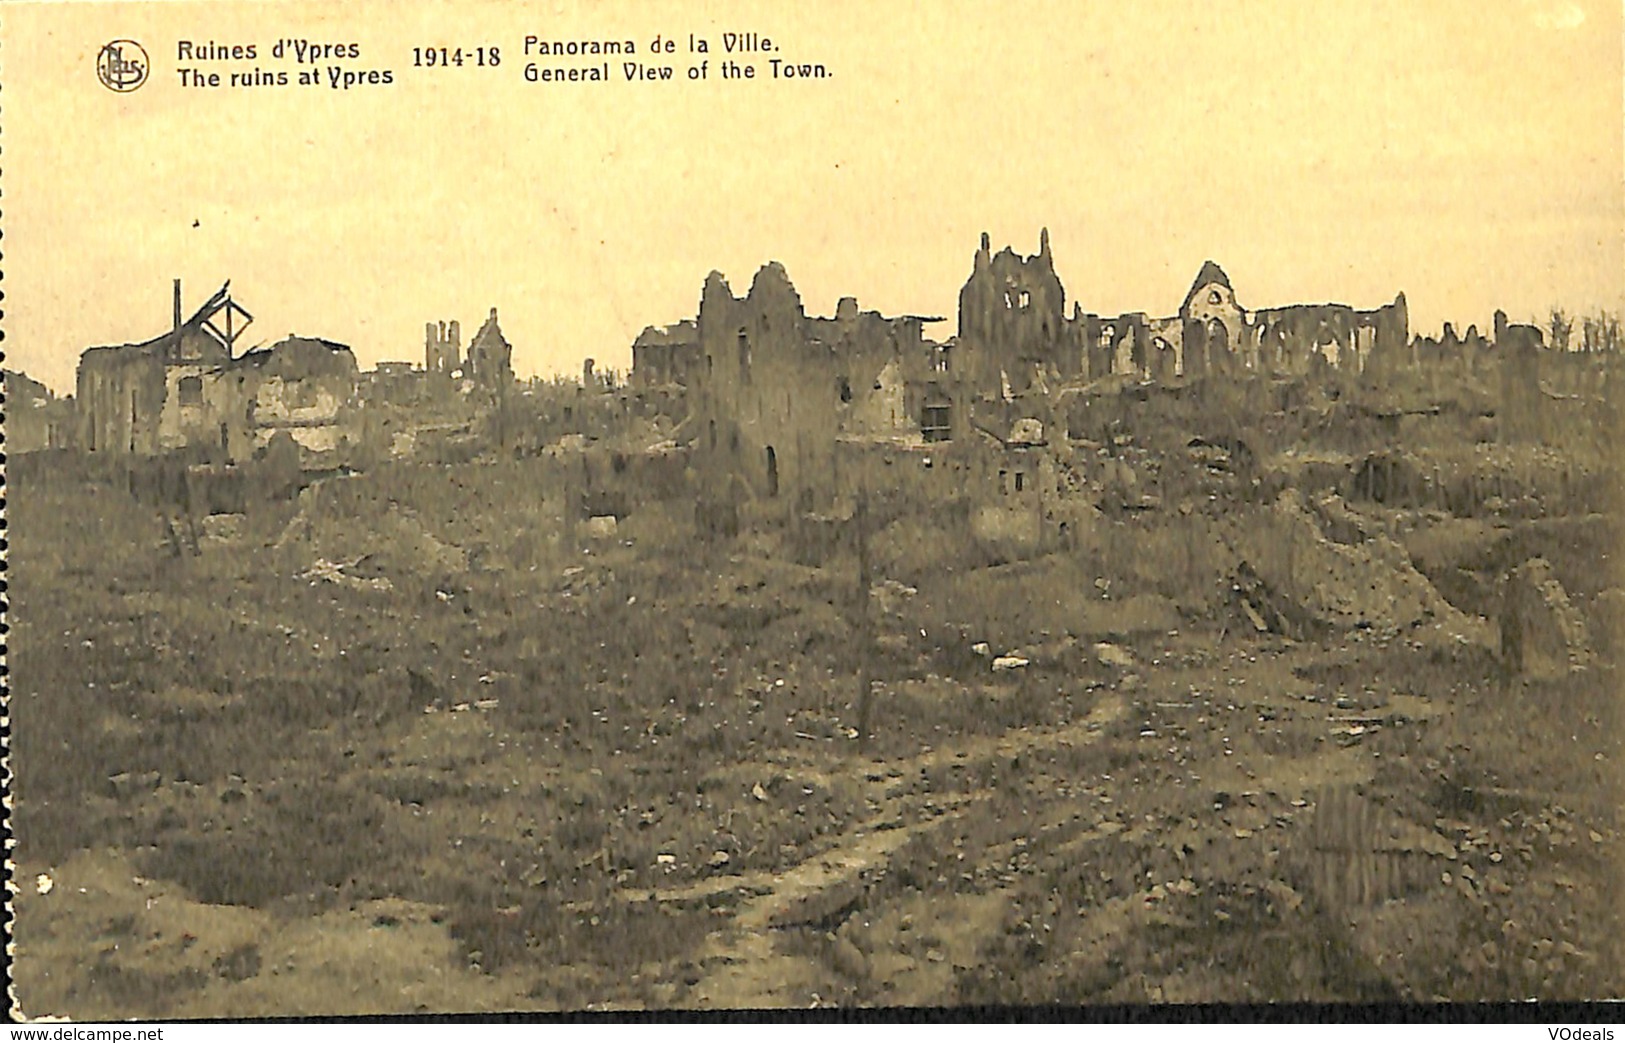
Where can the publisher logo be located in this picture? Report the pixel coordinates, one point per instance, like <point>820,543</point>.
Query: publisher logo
<point>122,66</point>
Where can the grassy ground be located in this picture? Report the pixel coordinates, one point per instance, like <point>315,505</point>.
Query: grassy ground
<point>510,770</point>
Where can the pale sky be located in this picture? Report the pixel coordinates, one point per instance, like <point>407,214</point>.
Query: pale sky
<point>1468,153</point>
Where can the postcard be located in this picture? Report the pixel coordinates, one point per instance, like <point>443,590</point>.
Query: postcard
<point>601,506</point>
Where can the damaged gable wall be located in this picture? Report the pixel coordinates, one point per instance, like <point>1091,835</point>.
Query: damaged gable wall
<point>490,356</point>
<point>1012,319</point>
<point>1214,326</point>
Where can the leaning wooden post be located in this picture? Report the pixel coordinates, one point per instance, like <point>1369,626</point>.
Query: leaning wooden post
<point>865,636</point>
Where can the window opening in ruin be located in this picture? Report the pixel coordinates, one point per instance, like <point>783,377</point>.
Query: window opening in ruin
<point>1021,480</point>
<point>772,472</point>
<point>1003,487</point>
<point>1024,298</point>
<point>935,423</point>
<point>713,427</point>
<point>190,390</point>
<point>846,390</point>
<point>1215,297</point>
<point>708,363</point>
<point>744,355</point>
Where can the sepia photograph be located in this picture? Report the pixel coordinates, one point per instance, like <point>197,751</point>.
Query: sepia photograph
<point>522,507</point>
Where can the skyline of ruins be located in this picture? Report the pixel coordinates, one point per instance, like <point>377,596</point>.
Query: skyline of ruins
<point>1470,158</point>
<point>939,326</point>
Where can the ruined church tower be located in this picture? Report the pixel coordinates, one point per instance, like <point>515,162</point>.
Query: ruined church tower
<point>442,347</point>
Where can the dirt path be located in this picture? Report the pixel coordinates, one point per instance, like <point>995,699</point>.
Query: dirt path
<point>743,968</point>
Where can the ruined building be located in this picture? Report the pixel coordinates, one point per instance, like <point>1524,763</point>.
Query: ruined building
<point>154,395</point>
<point>490,356</point>
<point>1015,334</point>
<point>1012,326</point>
<point>1212,333</point>
<point>303,386</point>
<point>775,389</point>
<point>665,356</point>
<point>35,418</point>
<point>1465,352</point>
<point>442,347</point>
<point>798,414</point>
<point>184,389</point>
<point>1298,338</point>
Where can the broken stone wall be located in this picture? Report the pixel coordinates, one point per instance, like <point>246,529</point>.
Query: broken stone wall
<point>1021,501</point>
<point>883,411</point>
<point>25,402</point>
<point>765,401</point>
<point>121,394</point>
<point>919,478</point>
<point>1543,635</point>
<point>1294,338</point>
<point>776,389</point>
<point>303,387</point>
<point>207,406</point>
<point>1522,405</point>
<point>664,356</point>
<point>1130,345</point>
<point>1390,337</point>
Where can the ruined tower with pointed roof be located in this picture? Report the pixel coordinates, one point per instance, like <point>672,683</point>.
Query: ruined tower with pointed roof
<point>490,356</point>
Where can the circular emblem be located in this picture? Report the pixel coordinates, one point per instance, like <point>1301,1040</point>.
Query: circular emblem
<point>122,65</point>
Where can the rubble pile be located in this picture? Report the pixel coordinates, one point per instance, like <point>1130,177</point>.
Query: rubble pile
<point>335,525</point>
<point>1370,583</point>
